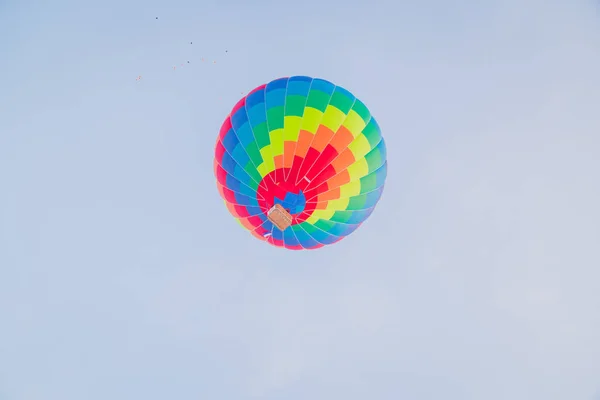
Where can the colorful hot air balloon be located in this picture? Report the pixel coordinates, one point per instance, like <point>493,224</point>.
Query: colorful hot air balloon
<point>300,162</point>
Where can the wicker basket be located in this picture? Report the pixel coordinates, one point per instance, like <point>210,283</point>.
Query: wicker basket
<point>279,217</point>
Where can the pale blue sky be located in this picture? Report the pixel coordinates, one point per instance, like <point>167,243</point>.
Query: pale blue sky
<point>122,276</point>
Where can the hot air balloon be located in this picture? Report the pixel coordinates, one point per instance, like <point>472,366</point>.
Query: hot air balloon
<point>300,162</point>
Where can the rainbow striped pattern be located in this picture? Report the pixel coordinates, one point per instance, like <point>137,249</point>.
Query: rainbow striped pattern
<point>308,145</point>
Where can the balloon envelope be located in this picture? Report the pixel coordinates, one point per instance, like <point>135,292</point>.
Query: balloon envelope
<point>300,162</point>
